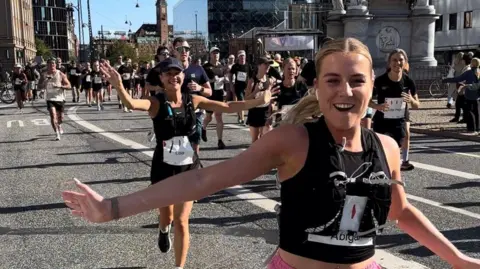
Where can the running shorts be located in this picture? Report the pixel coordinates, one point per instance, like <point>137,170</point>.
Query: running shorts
<point>58,105</point>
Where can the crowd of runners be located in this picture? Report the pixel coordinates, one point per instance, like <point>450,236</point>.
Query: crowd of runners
<point>331,113</point>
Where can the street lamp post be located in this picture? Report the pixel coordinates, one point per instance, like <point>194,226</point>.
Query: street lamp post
<point>92,49</point>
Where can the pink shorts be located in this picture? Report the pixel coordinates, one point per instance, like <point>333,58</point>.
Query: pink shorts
<point>278,263</point>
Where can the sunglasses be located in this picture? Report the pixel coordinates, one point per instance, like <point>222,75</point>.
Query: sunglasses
<point>182,49</point>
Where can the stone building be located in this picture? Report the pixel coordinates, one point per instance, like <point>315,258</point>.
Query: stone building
<point>17,38</point>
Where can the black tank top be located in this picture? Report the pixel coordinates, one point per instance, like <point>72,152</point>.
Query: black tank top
<point>330,214</point>
<point>291,95</point>
<point>97,81</point>
<point>172,122</point>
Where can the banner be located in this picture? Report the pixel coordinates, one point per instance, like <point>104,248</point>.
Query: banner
<point>289,43</point>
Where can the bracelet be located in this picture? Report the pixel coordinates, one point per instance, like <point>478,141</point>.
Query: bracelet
<point>114,208</point>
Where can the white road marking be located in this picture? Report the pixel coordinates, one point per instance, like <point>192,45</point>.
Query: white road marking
<point>384,258</point>
<point>420,148</point>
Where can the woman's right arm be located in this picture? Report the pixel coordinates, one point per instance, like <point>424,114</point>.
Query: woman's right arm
<point>272,151</point>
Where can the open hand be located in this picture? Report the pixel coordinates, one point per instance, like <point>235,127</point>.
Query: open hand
<point>111,75</point>
<point>87,204</point>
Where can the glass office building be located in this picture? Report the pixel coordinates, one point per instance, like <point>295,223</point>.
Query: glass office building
<point>230,18</point>
<point>50,25</point>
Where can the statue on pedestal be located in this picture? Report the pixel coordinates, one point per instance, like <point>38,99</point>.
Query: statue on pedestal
<point>338,5</point>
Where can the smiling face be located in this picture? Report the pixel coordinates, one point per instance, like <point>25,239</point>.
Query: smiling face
<point>344,87</point>
<point>397,62</point>
<point>172,79</point>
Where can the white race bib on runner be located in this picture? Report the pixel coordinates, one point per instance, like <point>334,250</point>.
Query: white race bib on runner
<point>73,72</point>
<point>98,80</point>
<point>88,79</point>
<point>178,151</point>
<point>352,213</point>
<point>18,81</point>
<point>396,108</point>
<point>241,76</point>
<point>218,84</point>
<point>126,76</point>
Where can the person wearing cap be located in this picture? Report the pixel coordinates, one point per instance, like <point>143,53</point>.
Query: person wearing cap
<point>32,76</point>
<point>240,73</point>
<point>258,117</point>
<point>54,82</point>
<point>173,115</point>
<point>19,81</point>
<point>216,73</point>
<point>152,81</point>
<point>196,82</point>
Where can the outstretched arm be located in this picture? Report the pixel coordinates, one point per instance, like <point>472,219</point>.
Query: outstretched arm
<point>412,221</point>
<point>267,153</point>
<point>231,107</point>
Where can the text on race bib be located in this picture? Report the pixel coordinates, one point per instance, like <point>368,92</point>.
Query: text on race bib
<point>242,76</point>
<point>98,80</point>
<point>396,108</point>
<point>178,151</point>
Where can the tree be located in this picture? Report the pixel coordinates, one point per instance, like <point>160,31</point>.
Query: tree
<point>120,48</point>
<point>42,49</point>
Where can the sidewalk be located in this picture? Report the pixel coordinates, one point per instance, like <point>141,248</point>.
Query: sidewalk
<point>433,119</point>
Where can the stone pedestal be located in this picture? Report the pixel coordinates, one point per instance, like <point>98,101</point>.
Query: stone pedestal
<point>335,28</point>
<point>385,25</point>
<point>423,35</point>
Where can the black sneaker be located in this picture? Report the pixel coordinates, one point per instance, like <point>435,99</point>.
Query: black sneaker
<point>164,240</point>
<point>221,145</point>
<point>407,166</point>
<point>204,135</point>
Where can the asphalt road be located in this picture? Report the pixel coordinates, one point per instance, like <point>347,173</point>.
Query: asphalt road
<point>228,231</point>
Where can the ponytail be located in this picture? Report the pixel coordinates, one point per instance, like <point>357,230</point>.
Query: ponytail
<point>304,111</point>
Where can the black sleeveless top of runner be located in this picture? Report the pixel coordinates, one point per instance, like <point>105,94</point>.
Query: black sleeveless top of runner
<point>171,122</point>
<point>312,201</point>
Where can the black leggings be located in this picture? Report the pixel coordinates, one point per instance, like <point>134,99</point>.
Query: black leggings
<point>471,115</point>
<point>460,106</point>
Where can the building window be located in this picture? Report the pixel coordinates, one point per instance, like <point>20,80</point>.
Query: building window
<point>452,23</point>
<point>467,19</point>
<point>439,24</point>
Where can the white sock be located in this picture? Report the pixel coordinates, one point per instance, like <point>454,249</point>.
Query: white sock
<point>177,267</point>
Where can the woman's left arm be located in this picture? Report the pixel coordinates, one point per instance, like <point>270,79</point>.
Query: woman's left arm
<point>411,220</point>
<point>228,107</point>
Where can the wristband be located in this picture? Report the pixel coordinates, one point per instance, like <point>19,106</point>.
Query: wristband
<point>114,208</point>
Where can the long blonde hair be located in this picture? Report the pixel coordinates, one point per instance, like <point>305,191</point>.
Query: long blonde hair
<point>476,63</point>
<point>307,108</point>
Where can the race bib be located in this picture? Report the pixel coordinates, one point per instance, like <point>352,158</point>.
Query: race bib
<point>126,76</point>
<point>53,92</point>
<point>242,76</point>
<point>352,213</point>
<point>18,81</point>
<point>73,72</point>
<point>97,80</point>
<point>178,151</point>
<point>218,84</point>
<point>145,76</point>
<point>396,108</point>
<point>88,79</point>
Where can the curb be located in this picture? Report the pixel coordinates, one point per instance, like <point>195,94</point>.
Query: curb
<point>473,138</point>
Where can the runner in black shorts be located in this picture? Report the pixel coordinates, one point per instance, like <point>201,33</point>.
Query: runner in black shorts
<point>174,119</point>
<point>395,93</point>
<point>240,75</point>
<point>216,73</point>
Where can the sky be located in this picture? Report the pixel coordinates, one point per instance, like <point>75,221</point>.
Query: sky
<point>112,14</point>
